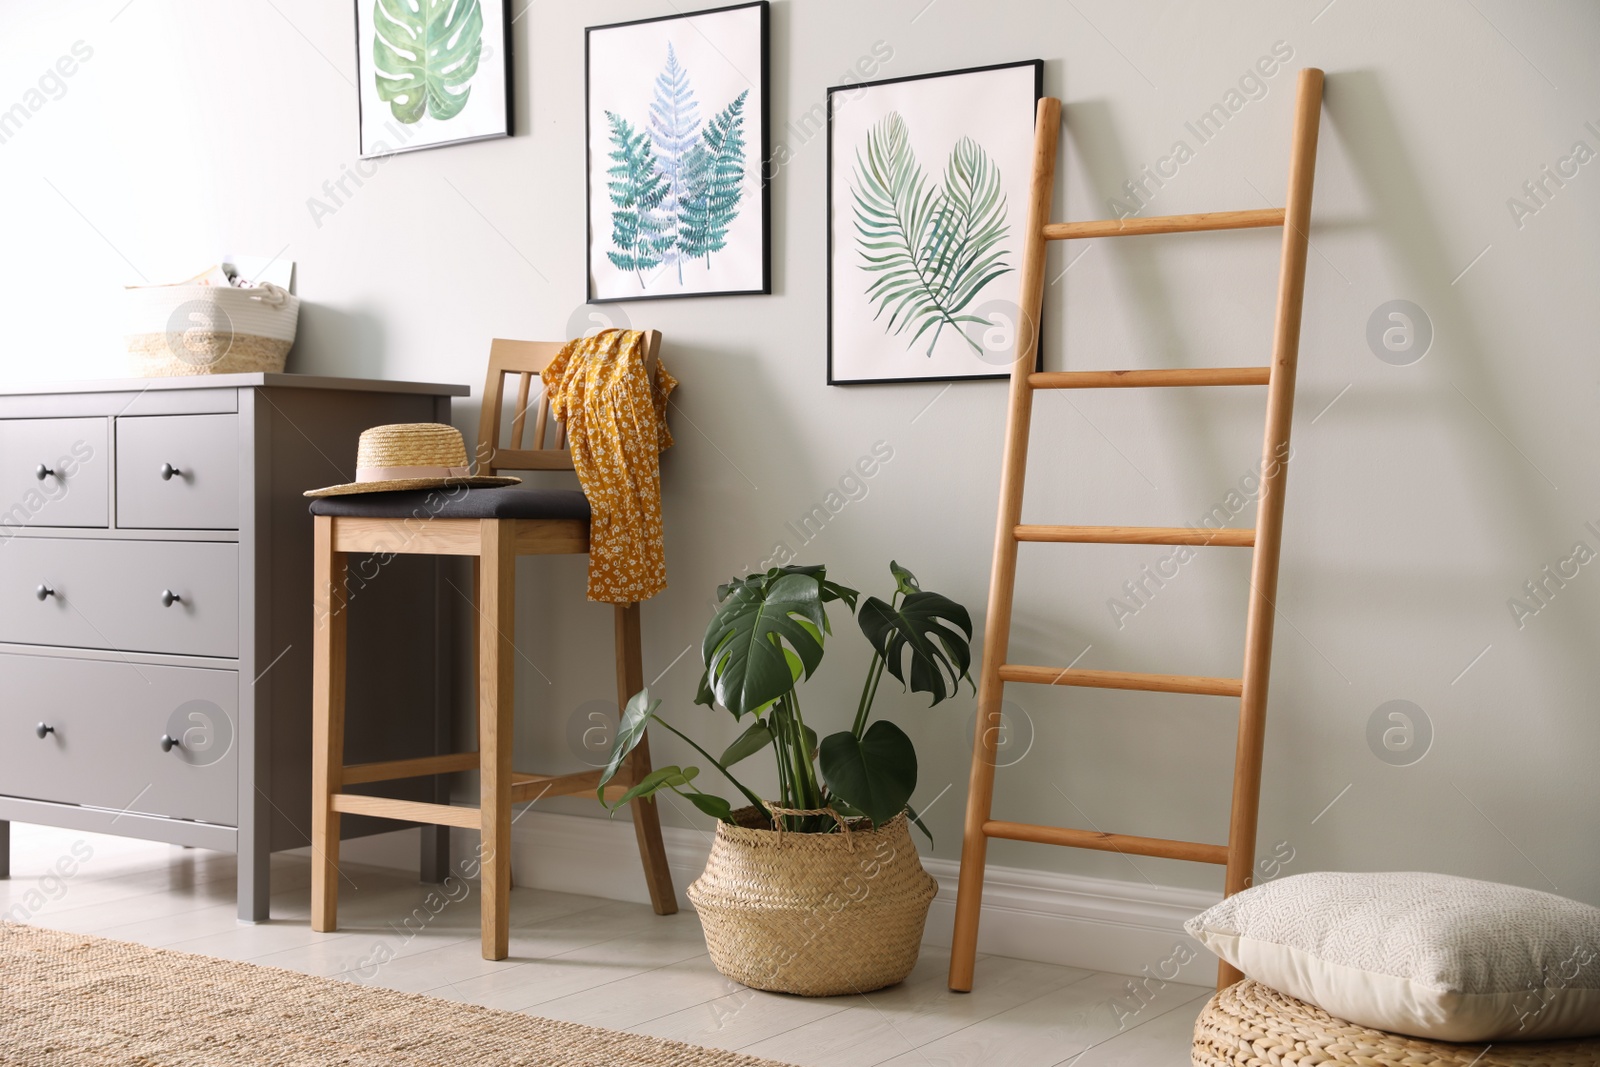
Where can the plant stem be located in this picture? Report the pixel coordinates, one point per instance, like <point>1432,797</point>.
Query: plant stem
<point>780,754</point>
<point>869,692</point>
<point>798,759</point>
<point>807,765</point>
<point>813,785</point>
<point>751,797</point>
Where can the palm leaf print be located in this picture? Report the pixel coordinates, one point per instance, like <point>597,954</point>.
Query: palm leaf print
<point>929,250</point>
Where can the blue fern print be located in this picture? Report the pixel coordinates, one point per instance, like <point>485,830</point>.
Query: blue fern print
<point>674,132</point>
<point>637,188</point>
<point>715,184</point>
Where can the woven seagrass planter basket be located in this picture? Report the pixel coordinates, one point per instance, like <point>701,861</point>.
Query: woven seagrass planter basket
<point>814,914</point>
<point>1251,1025</point>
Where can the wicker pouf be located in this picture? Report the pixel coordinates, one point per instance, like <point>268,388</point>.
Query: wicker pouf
<point>1251,1025</point>
<point>813,914</point>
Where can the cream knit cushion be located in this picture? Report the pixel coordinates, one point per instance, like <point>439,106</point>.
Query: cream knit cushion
<point>1427,955</point>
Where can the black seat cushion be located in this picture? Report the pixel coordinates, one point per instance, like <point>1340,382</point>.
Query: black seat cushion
<point>508,502</point>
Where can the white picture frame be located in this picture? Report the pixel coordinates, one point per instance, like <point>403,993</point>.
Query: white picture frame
<point>471,85</point>
<point>925,307</point>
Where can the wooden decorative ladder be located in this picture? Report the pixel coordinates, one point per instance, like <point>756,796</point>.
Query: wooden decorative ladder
<point>1238,855</point>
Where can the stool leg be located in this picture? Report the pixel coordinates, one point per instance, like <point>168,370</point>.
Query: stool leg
<point>327,717</point>
<point>646,816</point>
<point>434,861</point>
<point>496,691</point>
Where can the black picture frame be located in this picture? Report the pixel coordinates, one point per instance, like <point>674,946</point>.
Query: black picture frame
<point>857,87</point>
<point>504,7</point>
<point>591,161</point>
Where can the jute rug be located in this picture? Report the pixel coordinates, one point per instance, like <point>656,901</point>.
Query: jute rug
<point>68,999</point>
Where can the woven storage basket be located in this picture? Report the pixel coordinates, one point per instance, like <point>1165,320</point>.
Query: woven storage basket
<point>1251,1025</point>
<point>209,329</point>
<point>813,914</point>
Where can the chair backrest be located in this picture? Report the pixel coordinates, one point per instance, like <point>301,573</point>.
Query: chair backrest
<point>524,360</point>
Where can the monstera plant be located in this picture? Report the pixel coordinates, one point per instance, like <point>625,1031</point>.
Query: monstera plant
<point>767,637</point>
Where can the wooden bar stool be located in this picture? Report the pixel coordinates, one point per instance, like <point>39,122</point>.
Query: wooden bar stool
<point>494,526</point>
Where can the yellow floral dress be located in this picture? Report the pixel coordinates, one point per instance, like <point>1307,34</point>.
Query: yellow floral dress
<point>616,428</point>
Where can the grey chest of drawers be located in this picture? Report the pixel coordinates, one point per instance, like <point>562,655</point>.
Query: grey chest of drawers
<point>155,611</point>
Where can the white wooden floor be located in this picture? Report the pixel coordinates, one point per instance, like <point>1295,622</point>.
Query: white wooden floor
<point>595,961</point>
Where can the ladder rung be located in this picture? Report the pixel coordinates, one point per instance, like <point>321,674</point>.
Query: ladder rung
<point>1129,227</point>
<point>1154,683</point>
<point>1194,851</point>
<point>1138,535</point>
<point>1127,379</point>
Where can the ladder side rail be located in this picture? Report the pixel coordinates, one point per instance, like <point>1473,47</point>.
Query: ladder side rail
<point>1002,576</point>
<point>1269,512</point>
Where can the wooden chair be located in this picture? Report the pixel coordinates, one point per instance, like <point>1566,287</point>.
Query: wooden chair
<point>494,526</point>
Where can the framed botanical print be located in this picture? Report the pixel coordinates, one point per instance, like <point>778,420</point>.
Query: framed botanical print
<point>431,73</point>
<point>927,206</point>
<point>678,200</point>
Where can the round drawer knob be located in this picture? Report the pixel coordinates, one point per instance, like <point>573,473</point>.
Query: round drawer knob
<point>42,472</point>
<point>169,598</point>
<point>168,743</point>
<point>168,470</point>
<point>44,731</point>
<point>44,592</point>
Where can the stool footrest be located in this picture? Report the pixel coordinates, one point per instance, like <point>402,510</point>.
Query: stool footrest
<point>361,773</point>
<point>525,787</point>
<point>408,810</point>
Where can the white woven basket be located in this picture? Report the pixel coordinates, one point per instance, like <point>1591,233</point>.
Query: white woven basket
<point>209,329</point>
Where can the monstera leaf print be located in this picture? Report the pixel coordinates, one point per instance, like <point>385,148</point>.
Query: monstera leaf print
<point>426,52</point>
<point>929,250</point>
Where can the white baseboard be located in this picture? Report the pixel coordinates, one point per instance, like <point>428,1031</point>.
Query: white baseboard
<point>1095,923</point>
<point>398,849</point>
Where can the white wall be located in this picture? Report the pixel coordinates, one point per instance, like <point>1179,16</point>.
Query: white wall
<point>1421,497</point>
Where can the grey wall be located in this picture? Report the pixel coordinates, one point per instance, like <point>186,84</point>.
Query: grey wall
<point>1422,497</point>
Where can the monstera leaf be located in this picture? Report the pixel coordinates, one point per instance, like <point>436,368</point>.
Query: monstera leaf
<point>933,630</point>
<point>874,774</point>
<point>762,640</point>
<point>766,636</point>
<point>426,53</point>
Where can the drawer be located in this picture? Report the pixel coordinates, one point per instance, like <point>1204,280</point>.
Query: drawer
<point>71,489</point>
<point>178,472</point>
<point>89,593</point>
<point>108,720</point>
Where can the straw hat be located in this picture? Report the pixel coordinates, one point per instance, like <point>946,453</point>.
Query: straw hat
<point>412,455</point>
